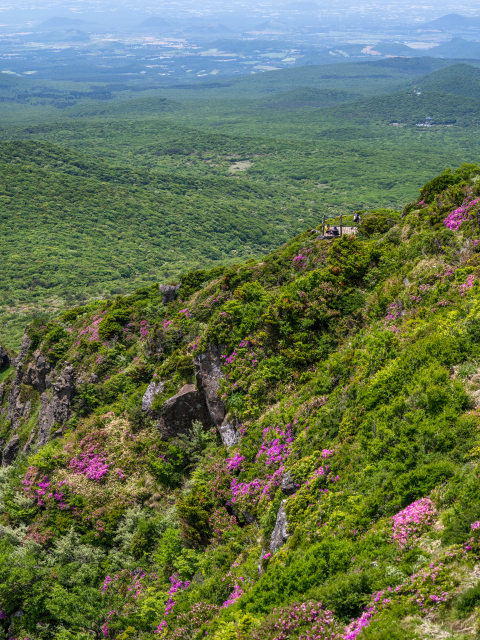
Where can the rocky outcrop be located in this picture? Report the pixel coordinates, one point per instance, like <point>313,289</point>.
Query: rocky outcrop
<point>10,451</point>
<point>56,402</point>
<point>29,444</point>
<point>208,373</point>
<point>280,533</point>
<point>37,372</point>
<point>228,434</point>
<point>168,292</point>
<point>4,359</point>
<point>3,386</point>
<point>15,406</point>
<point>288,485</point>
<point>179,412</point>
<point>56,395</point>
<point>154,388</point>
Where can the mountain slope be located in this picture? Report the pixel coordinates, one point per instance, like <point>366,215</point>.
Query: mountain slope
<point>459,79</point>
<point>407,107</point>
<point>286,448</point>
<point>457,48</point>
<point>76,226</point>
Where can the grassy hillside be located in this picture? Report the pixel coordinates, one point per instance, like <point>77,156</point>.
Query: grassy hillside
<point>350,374</point>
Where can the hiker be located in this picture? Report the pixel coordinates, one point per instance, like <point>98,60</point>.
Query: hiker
<point>328,231</point>
<point>356,217</point>
<point>335,232</point>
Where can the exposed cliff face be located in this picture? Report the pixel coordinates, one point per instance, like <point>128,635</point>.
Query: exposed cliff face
<point>16,408</point>
<point>56,407</point>
<point>37,371</point>
<point>208,373</point>
<point>54,392</point>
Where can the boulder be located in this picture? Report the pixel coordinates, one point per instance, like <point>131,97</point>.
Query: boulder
<point>180,411</point>
<point>288,485</point>
<point>4,359</point>
<point>280,533</point>
<point>168,292</point>
<point>153,389</point>
<point>10,451</point>
<point>2,391</point>
<point>56,402</point>
<point>208,373</point>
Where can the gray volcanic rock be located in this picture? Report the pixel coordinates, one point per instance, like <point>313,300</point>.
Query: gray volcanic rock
<point>208,373</point>
<point>56,407</point>
<point>153,389</point>
<point>181,410</point>
<point>29,444</point>
<point>10,451</point>
<point>169,292</point>
<point>280,533</point>
<point>36,375</point>
<point>288,486</point>
<point>4,359</point>
<point>228,434</point>
<point>15,406</point>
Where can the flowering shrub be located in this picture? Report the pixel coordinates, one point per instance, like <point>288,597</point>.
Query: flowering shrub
<point>221,523</point>
<point>463,213</point>
<point>411,522</point>
<point>467,285</point>
<point>355,627</point>
<point>234,596</point>
<point>305,621</point>
<point>91,330</point>
<point>144,330</point>
<point>300,261</point>
<point>91,464</point>
<point>235,462</point>
<point>189,624</point>
<point>276,445</point>
<point>247,494</point>
<point>176,586</point>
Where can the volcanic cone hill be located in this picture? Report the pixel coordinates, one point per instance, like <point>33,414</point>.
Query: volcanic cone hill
<point>281,448</point>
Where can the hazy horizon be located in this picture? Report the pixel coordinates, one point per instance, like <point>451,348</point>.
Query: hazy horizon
<point>105,11</point>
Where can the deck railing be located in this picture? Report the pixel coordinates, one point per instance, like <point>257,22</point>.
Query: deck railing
<point>342,229</point>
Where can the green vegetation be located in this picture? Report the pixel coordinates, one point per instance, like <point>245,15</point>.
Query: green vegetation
<point>106,190</point>
<point>350,369</point>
